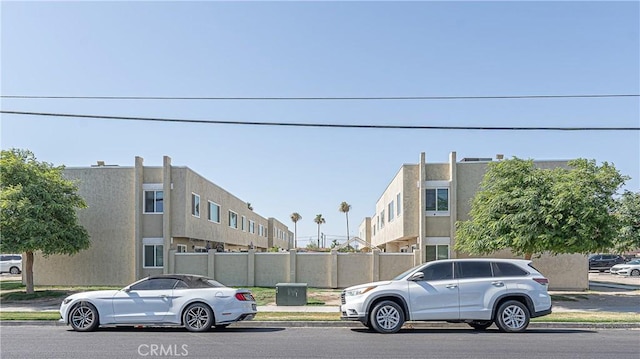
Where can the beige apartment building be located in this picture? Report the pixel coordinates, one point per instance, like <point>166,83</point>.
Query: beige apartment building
<point>420,206</point>
<point>137,215</point>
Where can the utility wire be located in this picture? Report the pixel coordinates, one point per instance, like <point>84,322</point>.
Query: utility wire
<point>169,98</point>
<point>300,124</point>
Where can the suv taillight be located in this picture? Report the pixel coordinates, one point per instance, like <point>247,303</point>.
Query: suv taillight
<point>244,296</point>
<point>543,281</point>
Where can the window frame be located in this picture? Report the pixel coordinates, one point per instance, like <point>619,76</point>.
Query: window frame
<point>195,207</point>
<point>209,206</point>
<point>231,213</point>
<point>158,248</point>
<point>436,191</point>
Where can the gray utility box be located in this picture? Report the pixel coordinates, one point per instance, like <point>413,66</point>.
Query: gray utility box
<point>291,294</point>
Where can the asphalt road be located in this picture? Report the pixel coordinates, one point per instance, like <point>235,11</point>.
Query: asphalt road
<point>60,342</point>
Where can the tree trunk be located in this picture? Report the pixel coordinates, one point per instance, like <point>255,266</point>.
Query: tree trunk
<point>347,215</point>
<point>29,272</point>
<point>528,256</point>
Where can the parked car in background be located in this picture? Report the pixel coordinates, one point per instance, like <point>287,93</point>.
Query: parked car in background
<point>603,262</point>
<point>11,263</point>
<point>631,268</point>
<point>192,301</point>
<point>479,292</point>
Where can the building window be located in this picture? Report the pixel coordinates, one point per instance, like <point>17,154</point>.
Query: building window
<point>195,205</point>
<point>382,219</point>
<point>391,210</point>
<point>252,226</point>
<point>214,212</point>
<point>261,231</point>
<point>438,251</point>
<point>244,223</point>
<point>399,204</point>
<point>153,256</point>
<point>233,219</point>
<point>182,248</point>
<point>153,201</point>
<point>437,199</point>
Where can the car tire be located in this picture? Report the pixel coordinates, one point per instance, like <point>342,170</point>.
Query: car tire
<point>512,317</point>
<point>480,324</point>
<point>84,317</point>
<point>14,270</point>
<point>197,317</point>
<point>386,317</point>
<point>635,272</point>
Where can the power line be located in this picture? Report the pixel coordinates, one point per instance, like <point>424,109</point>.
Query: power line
<point>378,98</point>
<point>326,125</point>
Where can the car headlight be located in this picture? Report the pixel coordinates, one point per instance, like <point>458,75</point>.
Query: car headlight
<point>359,291</point>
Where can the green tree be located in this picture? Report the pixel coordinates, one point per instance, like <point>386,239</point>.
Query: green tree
<point>295,217</point>
<point>532,210</point>
<point>627,212</point>
<point>319,220</point>
<point>38,209</point>
<point>344,208</point>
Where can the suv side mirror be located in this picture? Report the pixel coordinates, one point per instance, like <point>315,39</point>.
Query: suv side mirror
<point>418,276</point>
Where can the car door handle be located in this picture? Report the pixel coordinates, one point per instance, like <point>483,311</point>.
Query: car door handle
<point>498,284</point>
<point>451,286</point>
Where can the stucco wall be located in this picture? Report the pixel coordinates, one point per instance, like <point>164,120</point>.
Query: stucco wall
<point>271,269</point>
<point>314,269</point>
<point>109,194</point>
<point>354,268</point>
<point>392,264</point>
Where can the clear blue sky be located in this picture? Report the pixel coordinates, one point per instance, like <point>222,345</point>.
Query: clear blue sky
<point>320,49</point>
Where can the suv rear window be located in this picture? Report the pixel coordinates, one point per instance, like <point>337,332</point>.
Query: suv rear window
<point>502,269</point>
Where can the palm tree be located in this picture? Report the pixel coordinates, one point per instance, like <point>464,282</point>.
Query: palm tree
<point>295,217</point>
<point>319,220</point>
<point>344,208</point>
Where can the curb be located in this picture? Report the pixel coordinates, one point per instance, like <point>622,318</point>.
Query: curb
<point>350,324</point>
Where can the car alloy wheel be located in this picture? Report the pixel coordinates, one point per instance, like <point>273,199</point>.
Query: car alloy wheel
<point>512,317</point>
<point>635,272</point>
<point>197,317</point>
<point>14,270</point>
<point>84,317</point>
<point>387,317</point>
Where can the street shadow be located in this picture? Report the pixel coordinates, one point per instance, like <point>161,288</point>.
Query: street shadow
<point>133,329</point>
<point>458,331</point>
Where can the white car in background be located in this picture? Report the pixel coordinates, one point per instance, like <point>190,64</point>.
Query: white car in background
<point>631,268</point>
<point>192,301</point>
<point>11,263</point>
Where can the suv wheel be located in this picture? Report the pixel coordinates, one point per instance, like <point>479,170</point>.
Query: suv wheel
<point>480,324</point>
<point>387,317</point>
<point>512,317</point>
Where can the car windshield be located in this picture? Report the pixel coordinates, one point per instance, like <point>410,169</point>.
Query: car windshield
<point>635,261</point>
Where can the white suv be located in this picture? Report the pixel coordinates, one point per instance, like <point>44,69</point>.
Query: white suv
<point>477,291</point>
<point>10,263</point>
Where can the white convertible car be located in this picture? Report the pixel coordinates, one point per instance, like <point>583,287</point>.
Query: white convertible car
<point>195,302</point>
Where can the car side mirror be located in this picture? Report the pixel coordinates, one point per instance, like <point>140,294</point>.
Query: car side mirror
<point>418,276</point>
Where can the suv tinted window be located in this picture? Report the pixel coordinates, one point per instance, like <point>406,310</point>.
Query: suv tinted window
<point>474,270</point>
<point>438,271</point>
<point>502,269</point>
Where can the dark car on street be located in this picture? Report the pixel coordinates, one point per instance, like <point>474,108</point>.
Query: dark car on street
<point>603,262</point>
